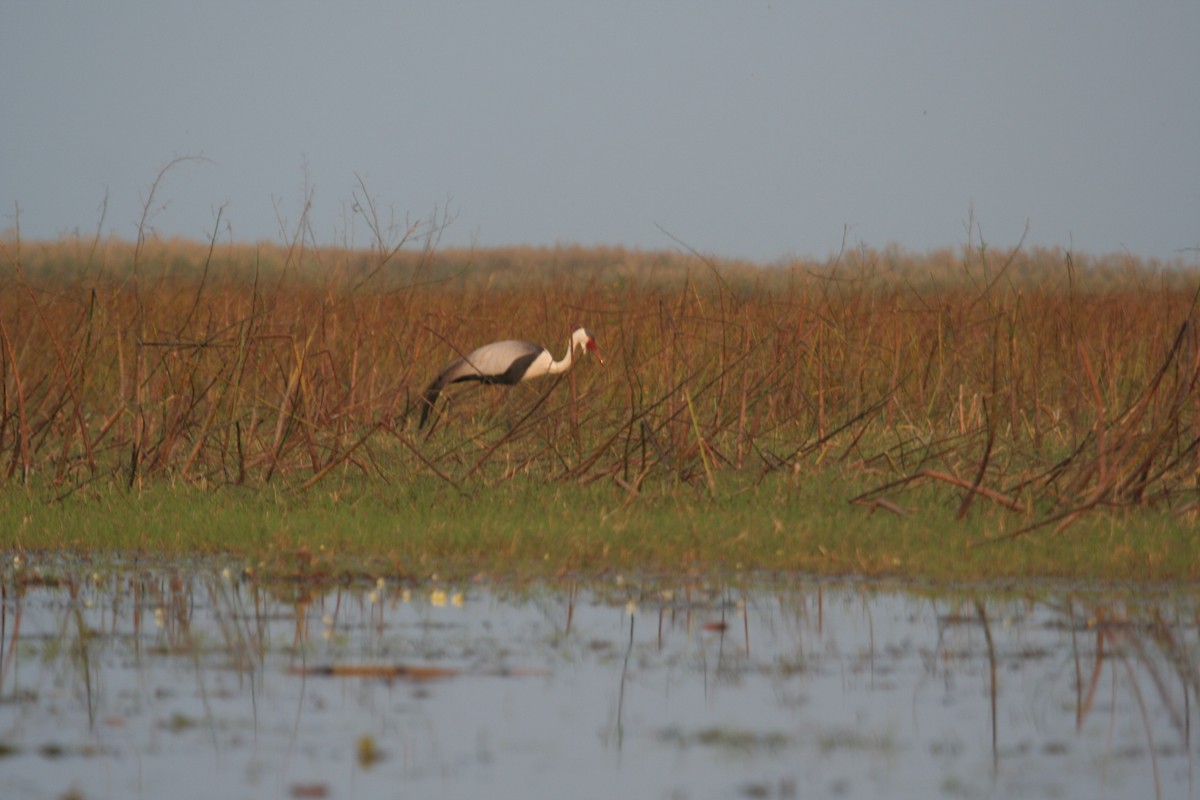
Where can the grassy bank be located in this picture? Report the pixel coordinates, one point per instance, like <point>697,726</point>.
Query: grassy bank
<point>956,415</point>
<point>528,529</point>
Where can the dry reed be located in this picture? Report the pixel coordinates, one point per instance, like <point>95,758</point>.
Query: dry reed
<point>1036,380</point>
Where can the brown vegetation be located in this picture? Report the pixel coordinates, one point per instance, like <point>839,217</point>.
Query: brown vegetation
<point>1044,382</point>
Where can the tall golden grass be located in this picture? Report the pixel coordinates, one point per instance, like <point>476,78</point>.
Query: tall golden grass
<point>1037,379</point>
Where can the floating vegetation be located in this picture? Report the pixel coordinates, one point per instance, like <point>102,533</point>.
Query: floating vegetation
<point>385,671</point>
<point>368,752</point>
<point>740,741</point>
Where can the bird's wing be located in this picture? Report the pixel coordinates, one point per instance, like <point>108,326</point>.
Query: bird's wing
<point>494,362</point>
<point>496,359</point>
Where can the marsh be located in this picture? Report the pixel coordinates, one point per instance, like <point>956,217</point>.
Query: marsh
<point>197,679</point>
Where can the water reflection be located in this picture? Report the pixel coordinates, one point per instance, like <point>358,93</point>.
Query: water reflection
<point>196,680</point>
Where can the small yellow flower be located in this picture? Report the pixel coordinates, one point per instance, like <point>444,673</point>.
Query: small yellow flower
<point>631,607</point>
<point>456,600</point>
<point>438,598</point>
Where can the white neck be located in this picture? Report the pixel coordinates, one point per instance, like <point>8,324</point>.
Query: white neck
<point>564,364</point>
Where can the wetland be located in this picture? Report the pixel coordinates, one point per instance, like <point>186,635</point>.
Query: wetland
<point>882,523</point>
<point>195,678</point>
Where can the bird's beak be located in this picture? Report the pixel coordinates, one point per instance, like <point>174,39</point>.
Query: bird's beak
<point>591,346</point>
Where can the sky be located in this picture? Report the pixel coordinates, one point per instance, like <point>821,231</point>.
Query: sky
<point>755,130</point>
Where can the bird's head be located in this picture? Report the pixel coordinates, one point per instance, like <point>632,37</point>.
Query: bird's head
<point>583,338</point>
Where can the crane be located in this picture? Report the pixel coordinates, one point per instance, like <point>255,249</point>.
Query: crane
<point>508,362</point>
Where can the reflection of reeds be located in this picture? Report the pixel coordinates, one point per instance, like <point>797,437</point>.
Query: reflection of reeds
<point>806,636</point>
<point>1040,382</point>
<point>1136,644</point>
<point>1141,648</point>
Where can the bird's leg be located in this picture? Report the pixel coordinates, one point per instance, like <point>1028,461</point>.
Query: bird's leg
<point>510,398</point>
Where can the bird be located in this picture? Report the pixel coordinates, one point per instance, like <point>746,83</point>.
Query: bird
<point>508,362</point>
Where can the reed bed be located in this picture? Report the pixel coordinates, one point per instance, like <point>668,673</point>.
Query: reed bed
<point>1041,382</point>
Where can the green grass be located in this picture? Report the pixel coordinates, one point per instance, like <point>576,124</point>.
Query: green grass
<point>531,529</point>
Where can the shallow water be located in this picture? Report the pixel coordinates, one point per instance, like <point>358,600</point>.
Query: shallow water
<point>195,680</point>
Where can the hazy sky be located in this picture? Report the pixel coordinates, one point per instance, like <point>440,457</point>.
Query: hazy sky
<point>748,129</point>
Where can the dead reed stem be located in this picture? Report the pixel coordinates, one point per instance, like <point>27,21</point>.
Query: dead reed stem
<point>1058,393</point>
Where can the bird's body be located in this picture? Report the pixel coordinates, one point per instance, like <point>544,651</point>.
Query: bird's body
<point>509,363</point>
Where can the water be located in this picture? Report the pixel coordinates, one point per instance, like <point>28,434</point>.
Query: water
<point>194,680</point>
